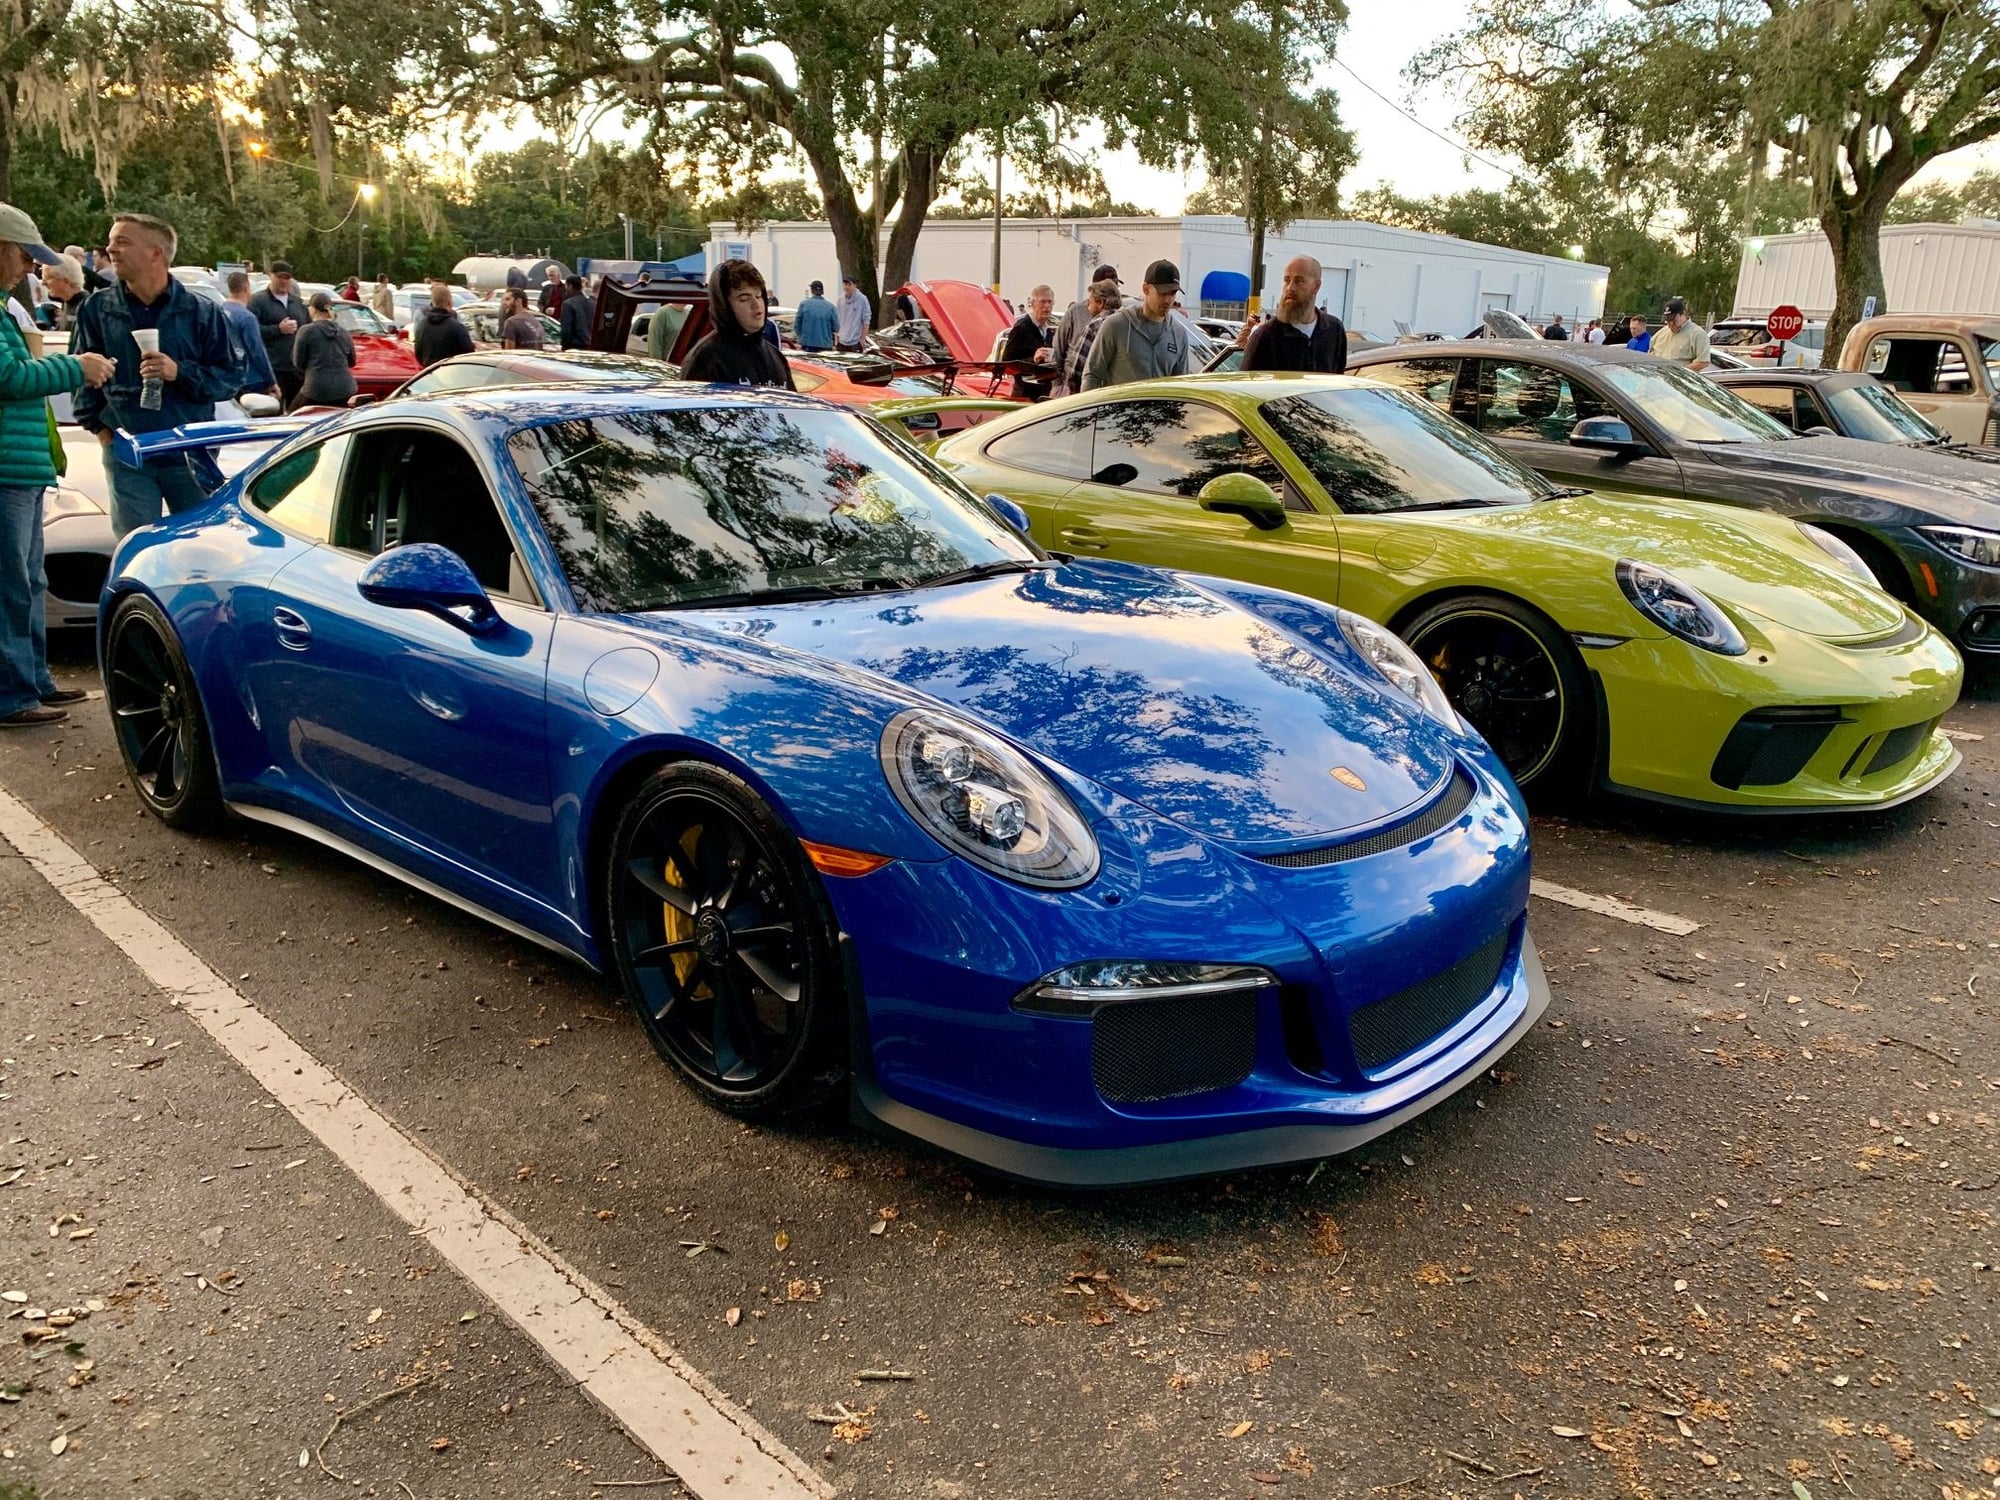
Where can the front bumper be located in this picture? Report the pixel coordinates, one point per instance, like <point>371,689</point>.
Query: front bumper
<point>77,557</point>
<point>1400,974</point>
<point>1795,725</point>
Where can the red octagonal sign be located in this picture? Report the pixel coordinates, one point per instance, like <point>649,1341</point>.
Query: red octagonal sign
<point>1785,323</point>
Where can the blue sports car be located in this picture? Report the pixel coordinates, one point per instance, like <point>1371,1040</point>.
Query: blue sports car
<point>1088,873</point>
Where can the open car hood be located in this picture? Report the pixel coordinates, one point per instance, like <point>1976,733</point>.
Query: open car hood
<point>968,319</point>
<point>1169,696</point>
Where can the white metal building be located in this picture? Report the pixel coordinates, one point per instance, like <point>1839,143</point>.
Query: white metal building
<point>1926,268</point>
<point>1374,278</point>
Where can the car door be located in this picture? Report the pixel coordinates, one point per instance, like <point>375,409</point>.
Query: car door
<point>427,733</point>
<point>1934,373</point>
<point>1035,466</point>
<point>1150,458</point>
<point>1530,409</point>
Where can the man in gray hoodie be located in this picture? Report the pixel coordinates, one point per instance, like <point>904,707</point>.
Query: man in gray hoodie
<point>1143,341</point>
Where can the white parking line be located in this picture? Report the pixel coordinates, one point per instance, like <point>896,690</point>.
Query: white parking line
<point>1961,734</point>
<point>715,1448</point>
<point>1611,906</point>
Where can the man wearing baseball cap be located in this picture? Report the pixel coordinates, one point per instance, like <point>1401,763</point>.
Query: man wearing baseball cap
<point>1070,331</point>
<point>28,449</point>
<point>1141,342</point>
<point>1682,340</point>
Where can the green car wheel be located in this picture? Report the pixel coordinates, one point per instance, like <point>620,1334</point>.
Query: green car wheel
<point>1515,678</point>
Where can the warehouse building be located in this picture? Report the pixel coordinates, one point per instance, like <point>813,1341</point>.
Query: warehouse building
<point>1926,268</point>
<point>1376,278</point>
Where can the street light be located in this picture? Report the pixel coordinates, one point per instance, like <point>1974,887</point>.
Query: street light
<point>366,193</point>
<point>255,148</point>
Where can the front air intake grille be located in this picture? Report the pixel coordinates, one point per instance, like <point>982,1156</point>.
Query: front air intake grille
<point>1440,814</point>
<point>1397,1025</point>
<point>1770,746</point>
<point>1898,745</point>
<point>1142,1051</point>
<point>77,577</point>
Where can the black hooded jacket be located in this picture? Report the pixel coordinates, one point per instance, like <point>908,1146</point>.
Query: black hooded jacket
<point>728,355</point>
<point>439,334</point>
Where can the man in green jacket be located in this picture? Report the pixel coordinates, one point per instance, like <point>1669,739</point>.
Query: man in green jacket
<point>28,695</point>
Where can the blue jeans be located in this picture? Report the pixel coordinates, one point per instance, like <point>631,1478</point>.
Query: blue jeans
<point>24,664</point>
<point>137,495</point>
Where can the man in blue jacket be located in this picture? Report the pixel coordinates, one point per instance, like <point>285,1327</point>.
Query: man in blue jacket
<point>815,323</point>
<point>195,367</point>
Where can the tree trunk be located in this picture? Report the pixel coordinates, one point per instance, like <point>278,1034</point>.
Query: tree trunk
<point>920,165</point>
<point>1854,230</point>
<point>9,95</point>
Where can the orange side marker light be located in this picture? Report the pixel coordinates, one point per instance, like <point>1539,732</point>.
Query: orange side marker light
<point>830,860</point>
<point>1930,578</point>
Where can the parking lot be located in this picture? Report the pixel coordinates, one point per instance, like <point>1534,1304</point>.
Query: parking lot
<point>1723,1223</point>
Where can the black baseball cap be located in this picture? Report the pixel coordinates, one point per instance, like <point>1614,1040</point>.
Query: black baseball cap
<point>1105,273</point>
<point>1676,306</point>
<point>281,268</point>
<point>815,288</point>
<point>1163,273</point>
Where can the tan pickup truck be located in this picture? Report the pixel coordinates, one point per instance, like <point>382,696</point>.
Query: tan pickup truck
<point>1947,367</point>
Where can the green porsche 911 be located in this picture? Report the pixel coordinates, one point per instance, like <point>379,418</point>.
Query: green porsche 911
<point>1684,653</point>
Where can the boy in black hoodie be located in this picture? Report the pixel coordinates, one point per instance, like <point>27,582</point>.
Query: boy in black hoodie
<point>735,351</point>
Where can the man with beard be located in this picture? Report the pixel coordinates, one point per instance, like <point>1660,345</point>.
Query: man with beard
<point>1302,336</point>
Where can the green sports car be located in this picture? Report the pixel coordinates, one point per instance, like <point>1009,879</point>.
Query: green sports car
<point>1684,653</point>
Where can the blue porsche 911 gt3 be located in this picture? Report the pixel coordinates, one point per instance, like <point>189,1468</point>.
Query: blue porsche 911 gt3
<point>1089,873</point>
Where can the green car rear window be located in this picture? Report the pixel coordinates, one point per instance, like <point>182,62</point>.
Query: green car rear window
<point>1375,451</point>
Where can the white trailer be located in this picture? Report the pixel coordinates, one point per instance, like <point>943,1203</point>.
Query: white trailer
<point>1926,268</point>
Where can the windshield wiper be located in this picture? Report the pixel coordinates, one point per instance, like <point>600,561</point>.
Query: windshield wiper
<point>1467,504</point>
<point>791,594</point>
<point>981,570</point>
<point>1568,492</point>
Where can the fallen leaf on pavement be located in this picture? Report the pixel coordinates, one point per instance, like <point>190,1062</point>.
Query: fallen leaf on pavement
<point>733,1316</point>
<point>1240,1428</point>
<point>1569,1432</point>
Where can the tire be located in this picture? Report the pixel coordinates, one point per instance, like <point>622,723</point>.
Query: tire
<point>156,713</point>
<point>723,941</point>
<point>1518,680</point>
<point>1889,569</point>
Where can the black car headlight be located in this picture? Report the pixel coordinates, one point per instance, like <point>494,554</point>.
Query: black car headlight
<point>1680,608</point>
<point>1404,670</point>
<point>1970,543</point>
<point>981,798</point>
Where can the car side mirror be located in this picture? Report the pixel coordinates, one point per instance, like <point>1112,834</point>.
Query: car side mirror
<point>361,398</point>
<point>1818,430</point>
<point>1607,435</point>
<point>423,575</point>
<point>257,404</point>
<point>1009,512</point>
<point>1247,496</point>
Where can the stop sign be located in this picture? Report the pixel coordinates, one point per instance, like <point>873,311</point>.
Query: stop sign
<point>1785,323</point>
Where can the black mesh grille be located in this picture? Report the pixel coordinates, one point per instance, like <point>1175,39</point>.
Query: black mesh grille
<point>1389,1028</point>
<point>1142,1050</point>
<point>1770,746</point>
<point>1440,814</point>
<point>77,577</point>
<point>1898,746</point>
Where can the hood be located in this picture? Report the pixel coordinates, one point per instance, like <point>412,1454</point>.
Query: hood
<point>1173,698</point>
<point>1926,479</point>
<point>967,319</point>
<point>1745,561</point>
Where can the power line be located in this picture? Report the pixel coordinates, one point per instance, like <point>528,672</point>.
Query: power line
<point>1458,146</point>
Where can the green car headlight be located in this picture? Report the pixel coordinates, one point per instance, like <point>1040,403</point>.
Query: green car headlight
<point>1839,551</point>
<point>1967,542</point>
<point>1679,608</point>
<point>1383,650</point>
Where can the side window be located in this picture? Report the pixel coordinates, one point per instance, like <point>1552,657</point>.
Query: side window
<point>1807,413</point>
<point>1428,378</point>
<point>1058,446</point>
<point>806,381</point>
<point>1174,448</point>
<point>297,491</point>
<point>1776,400</point>
<point>454,376</point>
<point>1532,402</point>
<point>409,485</point>
<point>1954,377</point>
<point>1917,364</point>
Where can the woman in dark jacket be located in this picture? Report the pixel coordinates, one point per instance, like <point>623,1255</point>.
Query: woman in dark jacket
<point>323,352</point>
<point>735,351</point>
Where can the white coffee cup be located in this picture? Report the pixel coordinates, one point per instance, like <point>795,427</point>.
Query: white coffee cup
<point>148,340</point>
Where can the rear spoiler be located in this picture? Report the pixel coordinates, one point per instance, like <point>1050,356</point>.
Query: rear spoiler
<point>132,449</point>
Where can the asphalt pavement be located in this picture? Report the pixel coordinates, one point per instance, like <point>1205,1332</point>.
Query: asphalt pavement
<point>1723,1224</point>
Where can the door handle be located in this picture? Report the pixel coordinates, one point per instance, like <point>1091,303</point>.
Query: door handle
<point>294,632</point>
<point>1085,538</point>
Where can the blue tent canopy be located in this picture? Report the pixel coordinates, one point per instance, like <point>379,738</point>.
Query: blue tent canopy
<point>1225,286</point>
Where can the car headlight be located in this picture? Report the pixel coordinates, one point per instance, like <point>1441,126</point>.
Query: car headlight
<point>1968,542</point>
<point>64,501</point>
<point>1840,552</point>
<point>1080,989</point>
<point>1384,650</point>
<point>1680,608</point>
<point>981,798</point>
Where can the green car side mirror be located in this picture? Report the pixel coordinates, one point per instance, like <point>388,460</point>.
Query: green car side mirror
<point>1247,496</point>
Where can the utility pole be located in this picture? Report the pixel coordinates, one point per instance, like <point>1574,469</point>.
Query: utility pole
<point>999,158</point>
<point>1260,180</point>
<point>626,220</point>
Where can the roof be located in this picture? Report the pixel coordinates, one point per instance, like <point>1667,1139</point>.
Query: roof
<point>1546,351</point>
<point>1793,375</point>
<point>1984,325</point>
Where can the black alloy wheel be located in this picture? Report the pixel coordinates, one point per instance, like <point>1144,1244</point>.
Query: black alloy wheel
<point>157,713</point>
<point>1516,679</point>
<point>723,941</point>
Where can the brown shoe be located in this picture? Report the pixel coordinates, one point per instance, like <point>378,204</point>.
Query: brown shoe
<point>63,696</point>
<point>33,718</point>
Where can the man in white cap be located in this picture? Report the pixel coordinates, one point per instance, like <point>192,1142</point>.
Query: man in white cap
<point>28,445</point>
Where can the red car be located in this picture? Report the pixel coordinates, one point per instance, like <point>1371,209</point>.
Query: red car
<point>383,359</point>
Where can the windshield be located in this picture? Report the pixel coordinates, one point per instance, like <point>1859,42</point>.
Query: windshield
<point>358,319</point>
<point>1989,353</point>
<point>665,509</point>
<point>1689,408</point>
<point>1878,414</point>
<point>1378,450</point>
